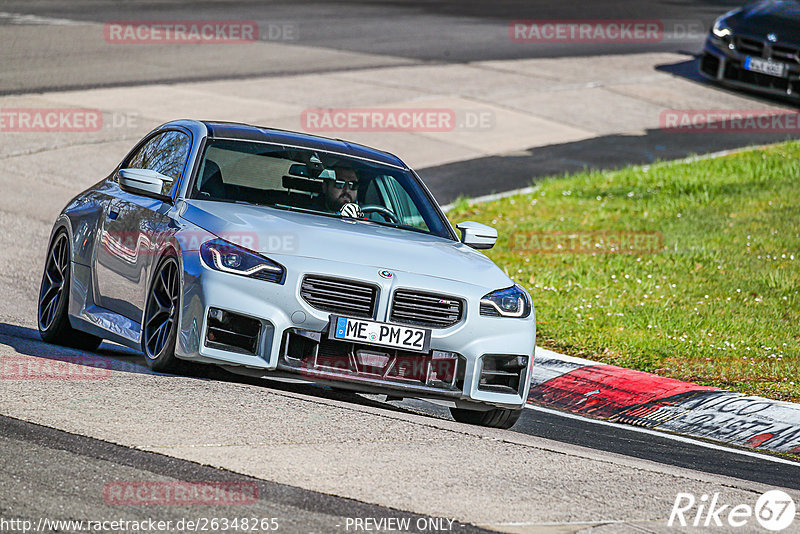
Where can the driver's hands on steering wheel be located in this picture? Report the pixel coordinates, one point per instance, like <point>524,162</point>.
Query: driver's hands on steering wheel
<point>387,214</point>
<point>354,211</point>
<point>351,210</point>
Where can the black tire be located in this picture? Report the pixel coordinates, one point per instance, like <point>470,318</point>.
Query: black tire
<point>53,306</point>
<point>494,418</point>
<point>162,312</point>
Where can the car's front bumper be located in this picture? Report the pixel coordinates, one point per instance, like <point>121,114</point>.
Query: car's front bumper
<point>282,314</point>
<point>725,65</point>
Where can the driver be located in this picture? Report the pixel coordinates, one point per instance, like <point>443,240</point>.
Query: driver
<point>340,190</point>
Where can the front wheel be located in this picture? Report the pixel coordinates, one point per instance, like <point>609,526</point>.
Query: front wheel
<point>160,328</point>
<point>53,321</point>
<point>494,418</point>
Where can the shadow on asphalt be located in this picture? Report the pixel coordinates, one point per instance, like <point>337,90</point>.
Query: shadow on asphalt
<point>685,69</point>
<point>552,426</point>
<point>494,174</point>
<point>689,70</point>
<point>123,359</point>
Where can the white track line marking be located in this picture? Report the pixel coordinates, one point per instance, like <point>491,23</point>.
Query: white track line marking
<point>24,19</point>
<point>664,435</point>
<point>566,523</point>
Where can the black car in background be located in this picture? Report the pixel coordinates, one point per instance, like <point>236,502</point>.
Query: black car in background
<point>756,47</point>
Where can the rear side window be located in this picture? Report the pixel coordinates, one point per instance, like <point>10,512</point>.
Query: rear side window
<point>165,153</point>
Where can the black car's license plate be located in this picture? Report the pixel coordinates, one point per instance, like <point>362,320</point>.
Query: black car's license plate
<point>383,334</point>
<point>766,66</point>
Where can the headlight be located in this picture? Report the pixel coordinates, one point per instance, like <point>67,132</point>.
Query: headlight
<point>229,258</point>
<point>721,28</point>
<point>509,302</point>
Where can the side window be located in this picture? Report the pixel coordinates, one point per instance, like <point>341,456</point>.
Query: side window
<point>165,153</point>
<point>393,196</point>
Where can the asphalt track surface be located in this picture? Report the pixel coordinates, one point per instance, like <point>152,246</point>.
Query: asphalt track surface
<point>46,52</point>
<point>38,462</point>
<point>101,461</point>
<point>54,474</point>
<point>384,33</point>
<point>518,171</point>
<point>388,31</point>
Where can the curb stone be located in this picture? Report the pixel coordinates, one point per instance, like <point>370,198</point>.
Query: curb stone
<point>616,394</point>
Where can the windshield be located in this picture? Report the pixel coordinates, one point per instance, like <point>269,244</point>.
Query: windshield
<point>317,182</point>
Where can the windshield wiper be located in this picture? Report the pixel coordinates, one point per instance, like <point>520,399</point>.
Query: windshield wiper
<point>304,210</point>
<point>339,216</point>
<point>230,201</point>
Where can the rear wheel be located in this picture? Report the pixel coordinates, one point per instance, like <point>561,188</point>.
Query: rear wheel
<point>160,328</point>
<point>494,418</point>
<point>54,326</point>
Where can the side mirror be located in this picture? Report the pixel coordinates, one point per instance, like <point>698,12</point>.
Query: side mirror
<point>477,235</point>
<point>145,182</point>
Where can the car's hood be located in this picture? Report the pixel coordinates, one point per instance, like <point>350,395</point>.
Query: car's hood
<point>277,233</point>
<point>781,18</point>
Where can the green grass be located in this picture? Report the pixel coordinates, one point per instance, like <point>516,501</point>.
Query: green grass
<point>716,303</point>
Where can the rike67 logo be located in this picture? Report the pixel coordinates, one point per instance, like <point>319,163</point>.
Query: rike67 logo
<point>774,510</point>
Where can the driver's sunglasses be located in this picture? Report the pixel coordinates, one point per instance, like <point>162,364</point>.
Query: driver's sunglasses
<point>351,184</point>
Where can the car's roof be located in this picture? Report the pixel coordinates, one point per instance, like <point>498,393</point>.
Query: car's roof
<point>249,132</point>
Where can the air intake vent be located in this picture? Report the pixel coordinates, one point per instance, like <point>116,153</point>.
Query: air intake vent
<point>750,46</point>
<point>425,309</point>
<point>232,332</point>
<point>502,373</point>
<point>339,296</point>
<point>786,53</point>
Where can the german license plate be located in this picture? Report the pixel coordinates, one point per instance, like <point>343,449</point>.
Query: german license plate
<point>765,66</point>
<point>382,334</point>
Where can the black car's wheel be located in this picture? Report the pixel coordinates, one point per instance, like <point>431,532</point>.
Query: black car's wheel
<point>53,306</point>
<point>495,418</point>
<point>160,329</point>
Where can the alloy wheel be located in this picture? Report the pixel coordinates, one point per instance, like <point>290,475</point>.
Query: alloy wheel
<point>56,273</point>
<point>162,308</point>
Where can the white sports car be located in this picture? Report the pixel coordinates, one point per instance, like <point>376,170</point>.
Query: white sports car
<point>275,253</point>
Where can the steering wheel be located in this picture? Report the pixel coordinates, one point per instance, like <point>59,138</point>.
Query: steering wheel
<point>385,213</point>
